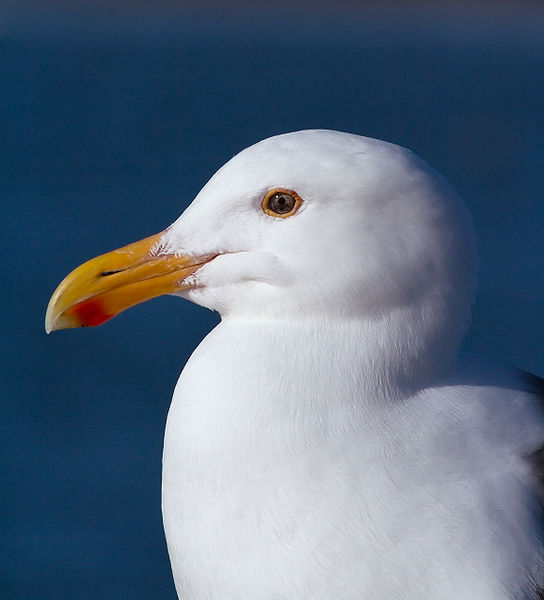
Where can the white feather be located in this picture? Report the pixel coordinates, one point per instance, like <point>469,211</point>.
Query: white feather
<point>323,441</point>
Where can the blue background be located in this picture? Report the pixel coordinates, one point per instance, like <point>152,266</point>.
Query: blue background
<point>111,123</point>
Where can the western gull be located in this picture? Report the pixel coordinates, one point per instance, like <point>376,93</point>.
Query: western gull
<point>326,440</point>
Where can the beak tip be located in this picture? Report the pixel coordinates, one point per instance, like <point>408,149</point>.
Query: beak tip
<point>48,325</point>
<point>56,322</point>
<point>53,320</point>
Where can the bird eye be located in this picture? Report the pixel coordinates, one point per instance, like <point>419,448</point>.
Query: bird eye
<point>281,203</point>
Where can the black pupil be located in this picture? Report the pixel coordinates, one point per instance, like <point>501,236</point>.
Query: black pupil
<point>281,203</point>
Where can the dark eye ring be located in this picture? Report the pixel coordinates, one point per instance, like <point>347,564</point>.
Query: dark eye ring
<point>280,202</point>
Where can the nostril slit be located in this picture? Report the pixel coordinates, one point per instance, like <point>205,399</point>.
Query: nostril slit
<point>106,273</point>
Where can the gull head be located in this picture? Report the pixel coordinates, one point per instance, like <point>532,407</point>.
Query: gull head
<point>313,224</point>
<point>322,223</point>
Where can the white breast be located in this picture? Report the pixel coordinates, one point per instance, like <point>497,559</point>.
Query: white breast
<point>284,479</point>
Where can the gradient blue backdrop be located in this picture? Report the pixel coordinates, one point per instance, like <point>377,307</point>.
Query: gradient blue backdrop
<point>110,124</point>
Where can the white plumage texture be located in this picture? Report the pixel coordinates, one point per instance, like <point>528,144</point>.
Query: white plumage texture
<point>326,441</point>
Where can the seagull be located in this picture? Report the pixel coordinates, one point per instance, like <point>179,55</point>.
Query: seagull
<point>327,440</point>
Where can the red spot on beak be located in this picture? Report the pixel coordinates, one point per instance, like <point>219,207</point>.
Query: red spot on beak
<point>90,313</point>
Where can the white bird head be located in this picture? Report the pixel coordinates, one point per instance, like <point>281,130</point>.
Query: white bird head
<point>312,224</point>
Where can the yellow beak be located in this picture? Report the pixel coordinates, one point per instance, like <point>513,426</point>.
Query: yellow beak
<point>108,284</point>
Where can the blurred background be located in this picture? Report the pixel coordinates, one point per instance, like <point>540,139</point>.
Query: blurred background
<point>112,116</point>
